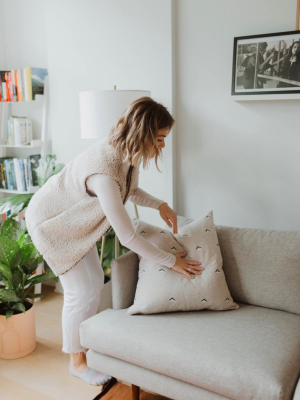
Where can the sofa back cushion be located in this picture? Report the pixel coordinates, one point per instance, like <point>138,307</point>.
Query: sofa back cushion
<point>262,267</point>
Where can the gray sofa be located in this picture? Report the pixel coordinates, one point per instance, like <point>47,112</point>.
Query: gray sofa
<point>249,353</point>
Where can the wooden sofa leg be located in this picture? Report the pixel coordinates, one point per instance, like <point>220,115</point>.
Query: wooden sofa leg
<point>135,392</point>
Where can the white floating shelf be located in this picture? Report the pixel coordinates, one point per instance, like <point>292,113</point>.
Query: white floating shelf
<point>259,97</point>
<point>21,147</point>
<point>33,189</point>
<point>38,97</point>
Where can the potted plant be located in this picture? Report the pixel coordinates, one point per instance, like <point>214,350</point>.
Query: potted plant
<point>108,255</point>
<point>19,259</point>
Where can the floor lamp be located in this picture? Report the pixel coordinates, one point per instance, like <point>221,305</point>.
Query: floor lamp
<point>99,111</point>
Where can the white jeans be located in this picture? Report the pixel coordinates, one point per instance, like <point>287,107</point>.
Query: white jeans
<point>82,286</point>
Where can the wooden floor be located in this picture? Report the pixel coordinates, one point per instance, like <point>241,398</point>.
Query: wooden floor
<point>43,374</point>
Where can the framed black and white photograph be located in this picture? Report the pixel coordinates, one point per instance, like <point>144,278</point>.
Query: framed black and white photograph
<point>266,64</point>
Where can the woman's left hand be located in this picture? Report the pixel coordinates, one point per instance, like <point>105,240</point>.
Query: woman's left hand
<point>169,216</point>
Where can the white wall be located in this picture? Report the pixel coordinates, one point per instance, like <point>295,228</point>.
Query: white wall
<point>90,45</point>
<point>239,159</point>
<point>23,42</point>
<point>2,38</point>
<point>25,33</point>
<point>96,45</point>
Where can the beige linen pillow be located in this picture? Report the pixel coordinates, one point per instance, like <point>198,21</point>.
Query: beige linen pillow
<point>161,289</point>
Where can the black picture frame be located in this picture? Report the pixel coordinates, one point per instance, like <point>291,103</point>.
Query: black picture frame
<point>276,69</point>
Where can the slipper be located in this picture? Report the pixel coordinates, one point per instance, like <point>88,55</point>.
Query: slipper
<point>92,376</point>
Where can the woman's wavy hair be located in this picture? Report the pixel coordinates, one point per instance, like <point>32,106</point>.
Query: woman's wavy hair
<point>137,129</point>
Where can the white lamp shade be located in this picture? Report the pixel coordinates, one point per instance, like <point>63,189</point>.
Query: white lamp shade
<point>101,109</point>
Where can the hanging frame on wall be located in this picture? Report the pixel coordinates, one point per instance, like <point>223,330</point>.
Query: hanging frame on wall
<point>266,64</point>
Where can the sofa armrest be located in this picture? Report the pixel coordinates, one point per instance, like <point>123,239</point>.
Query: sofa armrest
<point>124,278</point>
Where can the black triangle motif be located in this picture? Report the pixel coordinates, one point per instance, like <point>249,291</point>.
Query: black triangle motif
<point>198,248</point>
<point>217,270</point>
<point>227,299</point>
<point>207,230</point>
<point>143,232</point>
<point>172,298</point>
<point>204,301</point>
<point>173,248</point>
<point>162,270</point>
<point>162,232</point>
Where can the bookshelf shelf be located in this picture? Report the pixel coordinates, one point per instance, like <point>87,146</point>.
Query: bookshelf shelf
<point>22,147</point>
<point>33,189</point>
<point>38,97</point>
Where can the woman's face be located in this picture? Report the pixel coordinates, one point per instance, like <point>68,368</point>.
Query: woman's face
<point>160,139</point>
<point>296,48</point>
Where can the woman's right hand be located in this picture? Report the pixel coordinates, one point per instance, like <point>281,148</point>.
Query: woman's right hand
<point>187,267</point>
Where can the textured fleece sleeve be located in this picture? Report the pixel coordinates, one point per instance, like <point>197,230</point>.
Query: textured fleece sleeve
<point>107,190</point>
<point>144,199</point>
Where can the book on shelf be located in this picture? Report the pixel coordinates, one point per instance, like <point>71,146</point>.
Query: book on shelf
<point>4,86</point>
<point>3,179</point>
<point>35,81</point>
<point>22,84</point>
<point>19,131</point>
<point>18,173</point>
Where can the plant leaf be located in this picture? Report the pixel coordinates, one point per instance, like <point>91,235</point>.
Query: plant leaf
<point>12,229</point>
<point>48,274</point>
<point>19,307</point>
<point>9,314</point>
<point>17,278</point>
<point>15,203</point>
<point>7,295</point>
<point>29,265</point>
<point>29,251</point>
<point>10,252</point>
<point>22,238</point>
<point>6,271</point>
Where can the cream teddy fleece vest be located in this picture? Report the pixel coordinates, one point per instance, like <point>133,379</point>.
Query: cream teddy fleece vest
<point>63,219</point>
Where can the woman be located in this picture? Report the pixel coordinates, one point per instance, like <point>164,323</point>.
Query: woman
<point>70,213</point>
<point>290,68</point>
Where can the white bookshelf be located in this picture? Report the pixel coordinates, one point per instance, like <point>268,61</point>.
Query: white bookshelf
<point>39,143</point>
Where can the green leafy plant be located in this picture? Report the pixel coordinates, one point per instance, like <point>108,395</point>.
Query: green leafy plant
<point>109,250</point>
<point>47,168</point>
<point>19,260</point>
<point>44,171</point>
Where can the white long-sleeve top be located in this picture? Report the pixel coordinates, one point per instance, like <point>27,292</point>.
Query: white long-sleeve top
<point>108,192</point>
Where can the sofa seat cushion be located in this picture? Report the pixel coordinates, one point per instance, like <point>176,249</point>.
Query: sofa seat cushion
<point>248,353</point>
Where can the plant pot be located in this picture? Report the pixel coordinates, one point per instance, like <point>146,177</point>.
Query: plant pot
<point>18,333</point>
<point>106,295</point>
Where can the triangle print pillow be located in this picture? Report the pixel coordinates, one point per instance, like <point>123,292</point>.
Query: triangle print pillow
<point>162,289</point>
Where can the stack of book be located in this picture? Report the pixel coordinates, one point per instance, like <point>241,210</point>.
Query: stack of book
<point>19,131</point>
<point>22,84</point>
<point>19,173</point>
